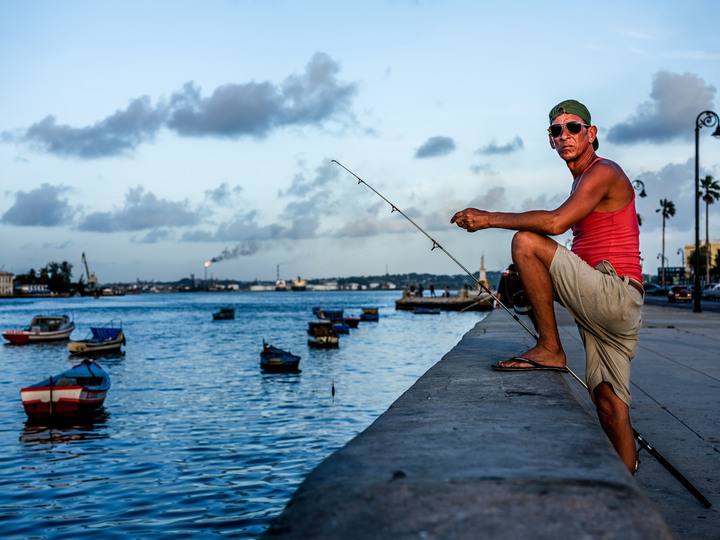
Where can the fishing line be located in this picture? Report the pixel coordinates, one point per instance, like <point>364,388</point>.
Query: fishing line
<point>644,443</point>
<point>435,245</point>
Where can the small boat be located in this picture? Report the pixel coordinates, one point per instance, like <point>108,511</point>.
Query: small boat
<point>334,316</point>
<point>224,314</point>
<point>352,322</point>
<point>341,327</point>
<point>102,340</point>
<point>369,314</point>
<point>426,311</point>
<point>322,335</point>
<point>275,360</point>
<point>79,390</point>
<point>42,328</point>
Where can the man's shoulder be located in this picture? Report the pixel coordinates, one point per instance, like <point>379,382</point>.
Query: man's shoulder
<point>607,168</point>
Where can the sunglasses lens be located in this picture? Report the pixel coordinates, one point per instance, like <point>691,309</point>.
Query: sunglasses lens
<point>572,127</point>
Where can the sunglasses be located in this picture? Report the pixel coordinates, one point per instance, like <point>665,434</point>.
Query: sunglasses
<point>572,127</point>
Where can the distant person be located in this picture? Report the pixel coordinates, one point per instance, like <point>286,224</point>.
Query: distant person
<point>599,280</point>
<point>509,285</point>
<point>432,290</point>
<point>447,291</point>
<point>420,290</point>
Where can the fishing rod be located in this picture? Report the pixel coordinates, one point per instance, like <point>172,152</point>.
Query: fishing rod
<point>436,245</point>
<point>643,442</point>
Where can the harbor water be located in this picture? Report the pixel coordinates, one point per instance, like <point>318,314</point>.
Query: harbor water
<point>194,440</point>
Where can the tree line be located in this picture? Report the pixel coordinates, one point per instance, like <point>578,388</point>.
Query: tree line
<point>57,277</point>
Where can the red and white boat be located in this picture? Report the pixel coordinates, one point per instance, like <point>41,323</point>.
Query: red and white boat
<point>42,328</point>
<point>77,391</point>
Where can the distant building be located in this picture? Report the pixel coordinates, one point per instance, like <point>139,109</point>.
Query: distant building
<point>689,250</point>
<point>33,289</point>
<point>6,284</point>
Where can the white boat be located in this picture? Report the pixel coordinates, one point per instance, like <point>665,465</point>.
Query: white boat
<point>42,328</point>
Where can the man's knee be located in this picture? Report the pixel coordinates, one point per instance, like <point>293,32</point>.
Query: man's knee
<point>524,239</point>
<point>525,243</point>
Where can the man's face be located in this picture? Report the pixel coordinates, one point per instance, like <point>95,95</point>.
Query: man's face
<point>572,145</point>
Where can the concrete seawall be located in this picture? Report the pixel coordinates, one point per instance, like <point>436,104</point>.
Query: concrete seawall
<point>469,453</point>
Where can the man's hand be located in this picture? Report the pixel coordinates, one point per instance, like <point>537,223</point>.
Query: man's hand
<point>471,219</point>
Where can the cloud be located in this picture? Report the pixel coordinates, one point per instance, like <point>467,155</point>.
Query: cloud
<point>254,109</point>
<point>222,195</point>
<point>154,236</point>
<point>115,135</point>
<point>675,102</point>
<point>142,210</point>
<point>493,149</point>
<point>43,206</point>
<point>249,109</point>
<point>435,147</point>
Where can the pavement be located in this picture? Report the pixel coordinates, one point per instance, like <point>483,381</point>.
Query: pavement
<point>675,385</point>
<point>471,453</point>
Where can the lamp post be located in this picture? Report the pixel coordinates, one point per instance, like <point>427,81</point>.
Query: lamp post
<point>663,261</point>
<point>639,185</point>
<point>704,119</point>
<point>681,252</point>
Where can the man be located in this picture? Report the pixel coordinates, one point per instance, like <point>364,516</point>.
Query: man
<point>509,285</point>
<point>599,281</point>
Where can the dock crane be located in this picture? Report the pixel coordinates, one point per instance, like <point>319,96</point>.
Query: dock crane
<point>91,278</point>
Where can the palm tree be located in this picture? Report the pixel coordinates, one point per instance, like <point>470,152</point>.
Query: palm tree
<point>668,210</point>
<point>710,192</point>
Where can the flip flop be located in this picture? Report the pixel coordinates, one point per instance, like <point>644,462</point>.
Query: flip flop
<point>535,366</point>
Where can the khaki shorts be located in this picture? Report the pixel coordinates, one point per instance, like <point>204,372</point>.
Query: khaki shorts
<point>606,309</point>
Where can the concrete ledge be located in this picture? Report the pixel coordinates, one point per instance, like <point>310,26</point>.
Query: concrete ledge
<point>469,453</point>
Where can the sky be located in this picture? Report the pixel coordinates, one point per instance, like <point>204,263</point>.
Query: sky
<point>156,136</point>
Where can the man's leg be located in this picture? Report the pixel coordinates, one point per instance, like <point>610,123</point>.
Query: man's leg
<point>614,415</point>
<point>533,254</point>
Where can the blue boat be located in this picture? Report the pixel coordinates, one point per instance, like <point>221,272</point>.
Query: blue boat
<point>426,311</point>
<point>370,314</point>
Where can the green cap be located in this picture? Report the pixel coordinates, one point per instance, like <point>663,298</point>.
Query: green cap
<point>571,106</point>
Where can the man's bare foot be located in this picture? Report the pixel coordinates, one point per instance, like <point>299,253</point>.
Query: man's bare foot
<point>537,356</point>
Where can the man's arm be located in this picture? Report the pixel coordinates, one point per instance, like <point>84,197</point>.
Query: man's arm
<point>601,188</point>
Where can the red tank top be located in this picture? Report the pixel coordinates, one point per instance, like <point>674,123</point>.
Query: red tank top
<point>610,236</point>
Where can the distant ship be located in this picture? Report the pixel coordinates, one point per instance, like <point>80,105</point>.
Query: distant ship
<point>299,284</point>
<point>280,284</point>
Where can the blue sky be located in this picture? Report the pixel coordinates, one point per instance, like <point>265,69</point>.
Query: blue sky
<point>154,136</point>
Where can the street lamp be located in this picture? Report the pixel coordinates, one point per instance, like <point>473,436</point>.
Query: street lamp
<point>704,119</point>
<point>639,185</point>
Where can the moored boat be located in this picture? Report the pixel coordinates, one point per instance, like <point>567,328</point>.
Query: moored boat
<point>352,322</point>
<point>369,314</point>
<point>224,314</point>
<point>42,328</point>
<point>426,311</point>
<point>322,335</point>
<point>79,390</point>
<point>102,340</point>
<point>276,360</point>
